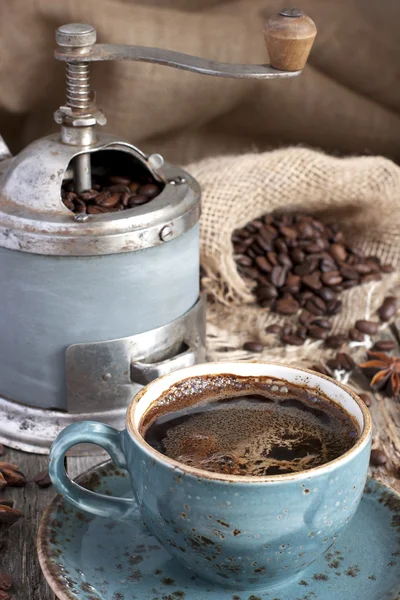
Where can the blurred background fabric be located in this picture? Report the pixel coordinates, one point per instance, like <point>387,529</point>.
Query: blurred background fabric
<point>347,101</point>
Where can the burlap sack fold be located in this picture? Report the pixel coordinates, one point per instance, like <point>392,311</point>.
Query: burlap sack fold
<point>361,194</point>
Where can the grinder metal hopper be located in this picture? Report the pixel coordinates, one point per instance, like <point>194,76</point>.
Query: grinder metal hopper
<point>95,302</point>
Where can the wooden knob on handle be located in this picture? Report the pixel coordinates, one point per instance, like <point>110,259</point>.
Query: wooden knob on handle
<point>289,37</point>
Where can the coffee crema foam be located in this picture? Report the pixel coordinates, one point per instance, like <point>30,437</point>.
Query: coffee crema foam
<point>284,429</point>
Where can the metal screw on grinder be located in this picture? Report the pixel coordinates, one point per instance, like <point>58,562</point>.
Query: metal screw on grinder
<point>76,35</point>
<point>291,12</point>
<point>177,180</point>
<point>81,218</point>
<point>166,233</point>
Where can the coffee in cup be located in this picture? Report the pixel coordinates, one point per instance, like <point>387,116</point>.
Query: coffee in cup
<point>251,428</point>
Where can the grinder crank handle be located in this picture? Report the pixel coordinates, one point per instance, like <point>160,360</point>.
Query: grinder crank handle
<point>289,37</point>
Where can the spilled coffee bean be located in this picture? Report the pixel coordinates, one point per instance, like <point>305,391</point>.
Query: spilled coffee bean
<point>5,581</point>
<point>253,347</point>
<point>384,345</point>
<point>334,364</point>
<point>300,266</point>
<point>9,515</point>
<point>42,479</point>
<point>11,475</point>
<point>366,398</point>
<point>378,458</point>
<point>345,361</point>
<point>388,308</point>
<point>321,369</point>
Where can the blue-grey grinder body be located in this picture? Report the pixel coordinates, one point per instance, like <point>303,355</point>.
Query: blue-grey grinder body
<point>51,302</point>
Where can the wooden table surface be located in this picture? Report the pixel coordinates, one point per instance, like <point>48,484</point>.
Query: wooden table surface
<point>18,543</point>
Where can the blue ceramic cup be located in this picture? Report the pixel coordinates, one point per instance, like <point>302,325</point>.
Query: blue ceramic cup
<point>241,532</point>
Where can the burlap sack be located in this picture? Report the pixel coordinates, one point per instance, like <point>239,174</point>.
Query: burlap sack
<point>361,194</point>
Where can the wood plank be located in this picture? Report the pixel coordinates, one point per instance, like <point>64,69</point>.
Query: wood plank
<point>18,555</point>
<point>79,464</point>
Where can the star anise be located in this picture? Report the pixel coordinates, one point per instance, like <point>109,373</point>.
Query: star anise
<point>384,372</point>
<point>10,475</point>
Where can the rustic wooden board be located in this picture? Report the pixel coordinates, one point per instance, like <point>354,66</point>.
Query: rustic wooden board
<point>18,555</point>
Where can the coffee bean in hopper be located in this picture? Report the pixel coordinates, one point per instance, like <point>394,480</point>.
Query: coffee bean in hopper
<point>110,194</point>
<point>149,189</point>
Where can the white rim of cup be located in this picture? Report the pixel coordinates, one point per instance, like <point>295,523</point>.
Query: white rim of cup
<point>161,385</point>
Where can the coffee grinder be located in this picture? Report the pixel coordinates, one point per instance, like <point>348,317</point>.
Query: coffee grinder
<point>97,303</point>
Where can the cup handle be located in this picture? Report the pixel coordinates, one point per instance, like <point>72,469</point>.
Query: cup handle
<point>95,433</point>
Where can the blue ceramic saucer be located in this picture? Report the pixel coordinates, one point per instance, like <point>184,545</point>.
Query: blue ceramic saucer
<point>92,558</point>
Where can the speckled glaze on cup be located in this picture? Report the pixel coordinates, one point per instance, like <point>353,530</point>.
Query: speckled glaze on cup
<point>239,532</point>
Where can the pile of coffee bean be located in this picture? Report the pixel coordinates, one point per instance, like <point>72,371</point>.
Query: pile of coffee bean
<point>110,194</point>
<point>299,266</point>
